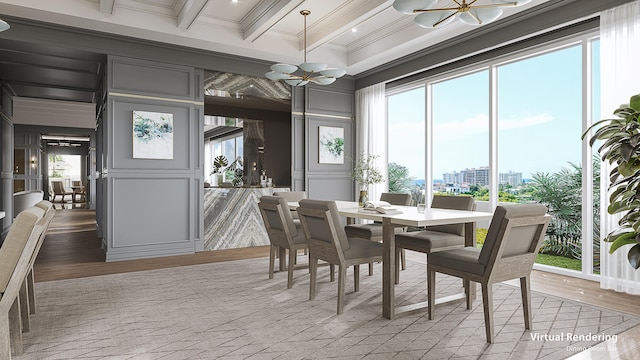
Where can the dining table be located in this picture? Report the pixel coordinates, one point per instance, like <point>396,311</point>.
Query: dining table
<point>409,217</point>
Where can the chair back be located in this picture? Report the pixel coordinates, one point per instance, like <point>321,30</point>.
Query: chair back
<point>277,220</point>
<point>76,183</point>
<point>15,243</point>
<point>453,203</point>
<point>396,199</point>
<point>324,230</point>
<point>513,240</point>
<point>58,188</point>
<point>292,196</point>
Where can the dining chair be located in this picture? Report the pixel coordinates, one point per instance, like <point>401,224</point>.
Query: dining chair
<point>328,241</point>
<point>509,251</point>
<point>292,196</point>
<point>438,237</point>
<point>58,189</point>
<point>283,234</point>
<point>373,231</point>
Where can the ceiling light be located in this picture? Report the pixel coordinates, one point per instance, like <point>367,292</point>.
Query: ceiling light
<point>354,30</point>
<point>469,12</point>
<point>4,25</point>
<point>313,71</point>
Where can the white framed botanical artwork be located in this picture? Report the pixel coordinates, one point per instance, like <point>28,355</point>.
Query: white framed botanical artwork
<point>152,135</point>
<point>330,145</point>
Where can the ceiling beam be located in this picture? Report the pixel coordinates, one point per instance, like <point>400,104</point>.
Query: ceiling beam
<point>341,20</point>
<point>108,6</point>
<point>264,16</point>
<point>190,12</point>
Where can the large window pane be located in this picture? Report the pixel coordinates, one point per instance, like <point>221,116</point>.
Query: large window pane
<point>539,128</point>
<point>460,111</point>
<point>406,144</point>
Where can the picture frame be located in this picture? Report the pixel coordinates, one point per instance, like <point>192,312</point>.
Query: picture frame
<point>331,146</point>
<point>152,135</point>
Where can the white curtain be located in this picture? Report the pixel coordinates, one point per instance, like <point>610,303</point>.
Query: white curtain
<point>620,78</point>
<point>371,130</point>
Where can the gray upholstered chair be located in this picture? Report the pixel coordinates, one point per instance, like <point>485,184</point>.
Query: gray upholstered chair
<point>329,242</point>
<point>373,231</point>
<point>292,196</point>
<point>439,237</point>
<point>509,251</point>
<point>283,233</point>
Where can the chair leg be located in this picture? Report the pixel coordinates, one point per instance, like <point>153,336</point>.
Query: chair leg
<point>313,270</point>
<point>282,258</point>
<point>397,269</point>
<point>293,254</point>
<point>332,270</point>
<point>356,277</point>
<point>525,289</point>
<point>403,259</point>
<point>487,301</point>
<point>467,293</point>
<point>5,340</point>
<point>31,292</point>
<point>272,260</point>
<point>370,268</point>
<point>24,307</point>
<point>431,291</point>
<point>342,274</point>
<point>16,326</point>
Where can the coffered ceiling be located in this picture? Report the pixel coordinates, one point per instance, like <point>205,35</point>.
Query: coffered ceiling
<point>355,35</point>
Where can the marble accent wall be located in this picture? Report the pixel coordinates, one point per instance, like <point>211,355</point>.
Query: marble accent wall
<point>232,218</point>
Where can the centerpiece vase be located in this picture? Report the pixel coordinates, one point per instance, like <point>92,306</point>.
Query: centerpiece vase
<point>363,198</point>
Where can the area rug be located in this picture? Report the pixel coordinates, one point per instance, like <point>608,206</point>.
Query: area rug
<point>231,310</point>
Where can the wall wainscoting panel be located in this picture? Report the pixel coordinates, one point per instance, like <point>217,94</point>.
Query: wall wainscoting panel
<point>151,78</point>
<point>154,215</point>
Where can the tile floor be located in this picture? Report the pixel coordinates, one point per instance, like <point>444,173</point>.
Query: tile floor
<point>231,310</point>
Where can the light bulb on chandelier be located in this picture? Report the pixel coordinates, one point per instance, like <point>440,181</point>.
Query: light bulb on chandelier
<point>469,12</point>
<point>312,71</point>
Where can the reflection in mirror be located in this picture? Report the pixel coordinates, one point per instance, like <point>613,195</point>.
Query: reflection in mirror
<point>236,108</point>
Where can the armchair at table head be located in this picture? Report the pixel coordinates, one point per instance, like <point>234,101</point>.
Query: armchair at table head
<point>439,237</point>
<point>509,251</point>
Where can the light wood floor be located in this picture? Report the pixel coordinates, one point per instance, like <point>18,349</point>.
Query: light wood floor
<point>72,250</point>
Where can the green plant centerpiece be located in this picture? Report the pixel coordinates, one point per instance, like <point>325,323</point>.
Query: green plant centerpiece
<point>621,147</point>
<point>366,173</point>
<point>220,163</point>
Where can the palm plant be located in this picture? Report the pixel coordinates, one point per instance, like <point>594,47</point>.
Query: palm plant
<point>399,178</point>
<point>621,147</point>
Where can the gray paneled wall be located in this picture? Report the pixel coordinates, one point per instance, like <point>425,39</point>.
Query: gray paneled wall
<point>324,106</point>
<point>153,206</point>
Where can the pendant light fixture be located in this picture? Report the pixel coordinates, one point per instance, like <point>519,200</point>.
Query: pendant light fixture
<point>4,25</point>
<point>313,71</point>
<point>468,12</point>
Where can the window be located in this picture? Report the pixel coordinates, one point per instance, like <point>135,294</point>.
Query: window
<point>406,145</point>
<point>509,130</point>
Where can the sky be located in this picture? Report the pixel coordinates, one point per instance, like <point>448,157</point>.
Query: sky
<point>539,112</point>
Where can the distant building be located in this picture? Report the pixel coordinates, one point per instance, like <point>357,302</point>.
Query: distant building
<point>479,176</point>
<point>510,178</point>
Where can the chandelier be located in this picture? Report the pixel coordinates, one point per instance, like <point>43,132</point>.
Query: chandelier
<point>313,71</point>
<point>469,12</point>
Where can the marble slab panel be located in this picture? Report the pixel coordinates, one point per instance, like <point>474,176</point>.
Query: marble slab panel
<point>232,218</point>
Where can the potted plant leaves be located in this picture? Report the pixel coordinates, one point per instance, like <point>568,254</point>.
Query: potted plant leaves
<point>620,138</point>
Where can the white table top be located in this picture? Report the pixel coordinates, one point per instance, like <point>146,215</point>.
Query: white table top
<point>2,214</point>
<point>410,215</point>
